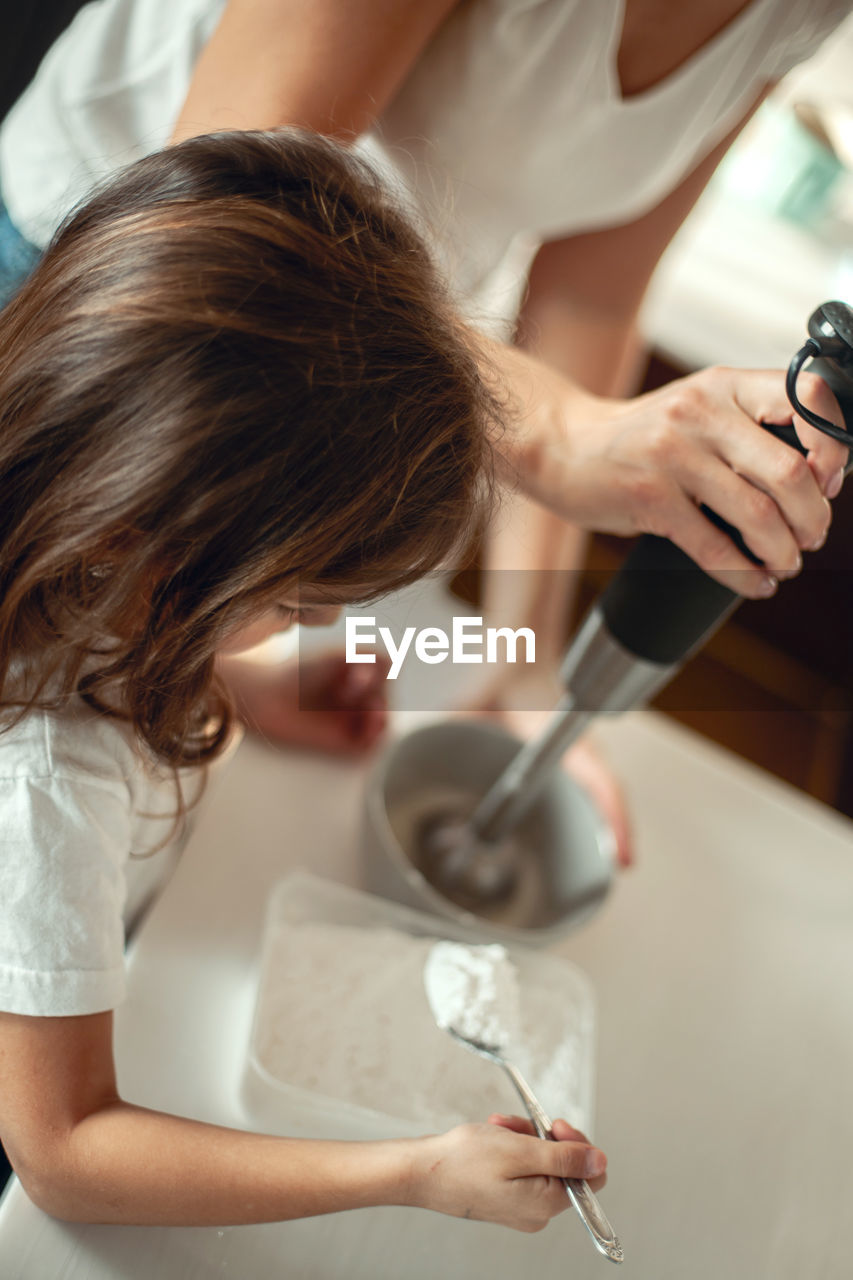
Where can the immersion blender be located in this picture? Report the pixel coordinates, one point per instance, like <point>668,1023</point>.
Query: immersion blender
<point>655,613</point>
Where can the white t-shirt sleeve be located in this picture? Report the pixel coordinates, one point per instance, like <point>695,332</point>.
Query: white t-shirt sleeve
<point>64,842</point>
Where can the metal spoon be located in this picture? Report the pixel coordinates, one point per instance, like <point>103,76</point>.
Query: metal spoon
<point>578,1189</point>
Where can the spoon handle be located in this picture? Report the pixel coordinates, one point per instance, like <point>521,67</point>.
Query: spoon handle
<point>578,1190</point>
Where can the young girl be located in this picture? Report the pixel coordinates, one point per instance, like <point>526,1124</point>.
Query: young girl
<point>231,394</point>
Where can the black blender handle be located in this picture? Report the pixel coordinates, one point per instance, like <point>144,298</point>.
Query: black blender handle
<point>660,605</point>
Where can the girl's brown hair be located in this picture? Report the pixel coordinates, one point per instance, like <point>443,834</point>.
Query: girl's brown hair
<point>234,371</point>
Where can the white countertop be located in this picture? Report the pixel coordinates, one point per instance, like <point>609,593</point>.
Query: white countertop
<point>723,971</point>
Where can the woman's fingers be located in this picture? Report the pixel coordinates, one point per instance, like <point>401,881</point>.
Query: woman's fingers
<point>759,519</point>
<point>711,449</point>
<point>762,397</point>
<point>709,547</point>
<point>796,483</point>
<point>799,485</point>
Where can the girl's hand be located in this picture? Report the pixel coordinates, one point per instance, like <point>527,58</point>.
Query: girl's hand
<point>500,1172</point>
<point>85,1155</point>
<point>323,703</point>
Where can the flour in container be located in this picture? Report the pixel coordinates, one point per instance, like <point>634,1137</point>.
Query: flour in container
<point>342,1013</point>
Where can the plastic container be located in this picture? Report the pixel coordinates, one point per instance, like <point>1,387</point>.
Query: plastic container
<point>339,1051</point>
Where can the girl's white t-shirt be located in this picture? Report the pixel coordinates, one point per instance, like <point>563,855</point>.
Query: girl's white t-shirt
<point>78,804</point>
<point>510,130</point>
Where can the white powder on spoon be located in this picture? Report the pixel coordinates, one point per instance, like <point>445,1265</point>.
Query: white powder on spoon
<point>474,990</point>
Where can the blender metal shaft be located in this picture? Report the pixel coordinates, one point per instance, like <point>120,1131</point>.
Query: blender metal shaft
<point>519,784</point>
<point>601,677</point>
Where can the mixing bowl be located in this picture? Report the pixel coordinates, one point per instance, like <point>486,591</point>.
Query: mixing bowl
<point>565,851</point>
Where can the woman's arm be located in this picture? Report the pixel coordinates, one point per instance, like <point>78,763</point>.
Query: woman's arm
<point>83,1154</point>
<point>579,317</point>
<point>645,464</point>
<point>329,65</point>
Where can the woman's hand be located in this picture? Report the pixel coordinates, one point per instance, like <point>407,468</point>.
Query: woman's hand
<point>645,465</point>
<point>500,1172</point>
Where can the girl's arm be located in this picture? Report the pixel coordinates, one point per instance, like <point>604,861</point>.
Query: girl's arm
<point>83,1154</point>
<point>328,65</point>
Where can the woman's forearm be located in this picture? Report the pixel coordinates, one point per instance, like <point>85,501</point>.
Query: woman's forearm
<point>125,1164</point>
<point>548,424</point>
